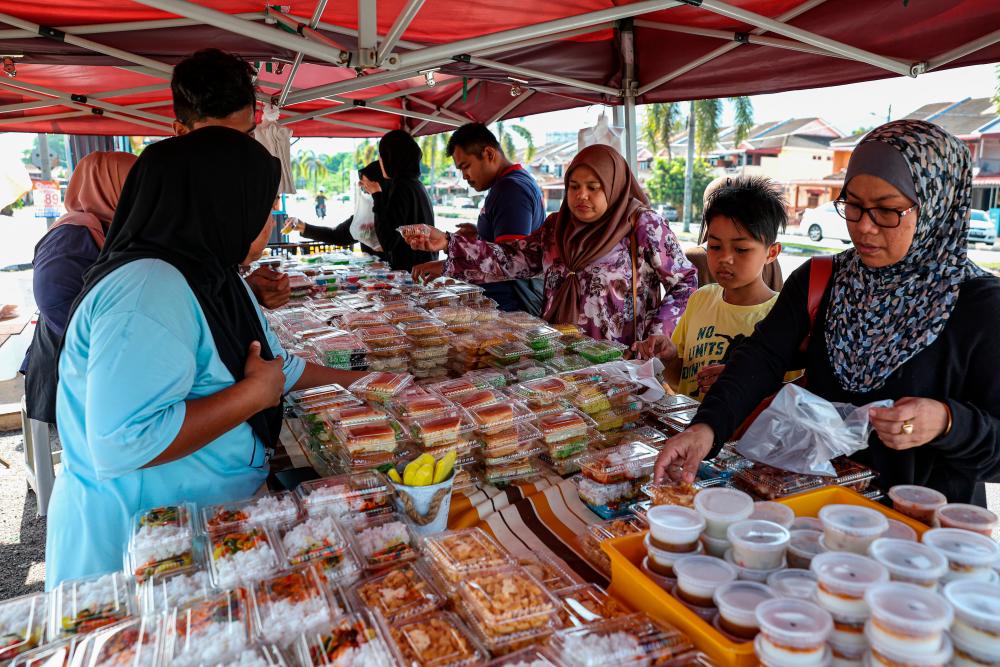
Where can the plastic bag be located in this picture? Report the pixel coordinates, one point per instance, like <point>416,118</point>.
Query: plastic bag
<point>363,224</point>
<point>646,373</point>
<point>801,432</point>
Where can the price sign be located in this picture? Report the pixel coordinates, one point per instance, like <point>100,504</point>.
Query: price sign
<point>48,202</point>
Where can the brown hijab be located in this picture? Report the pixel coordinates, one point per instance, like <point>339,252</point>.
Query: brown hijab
<point>580,244</point>
<point>93,191</point>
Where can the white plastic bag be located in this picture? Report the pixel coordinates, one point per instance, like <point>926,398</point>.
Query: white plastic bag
<point>646,373</point>
<point>800,432</point>
<point>363,224</point>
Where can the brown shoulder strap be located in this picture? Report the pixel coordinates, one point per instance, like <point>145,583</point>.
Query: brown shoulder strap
<point>820,272</point>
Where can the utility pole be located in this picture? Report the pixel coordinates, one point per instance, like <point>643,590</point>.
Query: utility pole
<point>689,169</point>
<point>46,167</point>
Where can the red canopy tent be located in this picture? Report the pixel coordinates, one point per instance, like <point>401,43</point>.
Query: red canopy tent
<point>103,66</point>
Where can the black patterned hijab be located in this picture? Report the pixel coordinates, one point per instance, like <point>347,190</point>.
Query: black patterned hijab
<point>880,318</point>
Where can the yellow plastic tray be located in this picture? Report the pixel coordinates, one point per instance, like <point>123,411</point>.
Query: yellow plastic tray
<point>631,585</point>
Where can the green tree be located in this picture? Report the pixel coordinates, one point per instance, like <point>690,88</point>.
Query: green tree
<point>666,184</point>
<point>433,147</point>
<point>366,152</point>
<point>311,167</point>
<point>505,135</point>
<point>660,123</point>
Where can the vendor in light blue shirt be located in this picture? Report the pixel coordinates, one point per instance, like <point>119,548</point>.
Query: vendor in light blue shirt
<point>169,378</point>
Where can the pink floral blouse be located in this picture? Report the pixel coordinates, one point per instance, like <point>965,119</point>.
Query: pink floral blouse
<point>605,286</point>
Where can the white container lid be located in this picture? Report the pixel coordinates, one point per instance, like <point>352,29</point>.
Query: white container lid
<point>975,602</point>
<point>748,574</point>
<point>963,547</point>
<point>806,542</point>
<point>662,557</point>
<point>704,571</point>
<point>848,573</point>
<point>909,608</point>
<point>723,504</point>
<point>675,518</point>
<point>900,531</point>
<point>768,510</point>
<point>825,659</point>
<point>738,601</point>
<point>969,517</point>
<point>758,535</point>
<point>854,520</point>
<point>909,560</point>
<point>940,657</point>
<point>806,523</point>
<point>794,622</point>
<point>794,583</point>
<point>918,496</point>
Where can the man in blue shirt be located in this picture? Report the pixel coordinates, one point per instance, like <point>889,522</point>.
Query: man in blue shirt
<point>513,209</point>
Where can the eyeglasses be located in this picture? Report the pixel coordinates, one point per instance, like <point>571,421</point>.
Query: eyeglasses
<point>882,217</point>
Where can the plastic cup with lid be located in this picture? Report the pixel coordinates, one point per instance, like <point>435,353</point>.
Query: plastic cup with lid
<point>758,544</point>
<point>885,656</point>
<point>970,556</point>
<point>977,614</point>
<point>715,546</point>
<point>967,655</point>
<point>807,523</point>
<point>768,510</point>
<point>674,528</point>
<point>661,580</point>
<point>803,546</point>
<point>907,618</point>
<point>900,531</point>
<point>851,527</point>
<point>917,502</point>
<point>699,576</point>
<point>843,579</point>
<point>793,583</point>
<point>721,508</point>
<point>966,517</point>
<point>748,574</point>
<point>909,562</point>
<point>662,562</point>
<point>737,603</point>
<point>847,655</point>
<point>792,632</point>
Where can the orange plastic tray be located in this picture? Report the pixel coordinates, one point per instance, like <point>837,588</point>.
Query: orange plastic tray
<point>631,585</point>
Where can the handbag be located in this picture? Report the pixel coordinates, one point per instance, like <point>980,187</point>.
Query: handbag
<point>820,272</point>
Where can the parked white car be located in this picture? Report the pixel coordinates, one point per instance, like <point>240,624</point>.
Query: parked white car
<point>823,222</point>
<point>982,229</point>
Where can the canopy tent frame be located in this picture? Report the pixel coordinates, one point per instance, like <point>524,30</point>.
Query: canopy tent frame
<point>382,53</point>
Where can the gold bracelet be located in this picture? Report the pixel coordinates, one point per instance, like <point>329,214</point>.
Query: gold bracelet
<point>947,429</point>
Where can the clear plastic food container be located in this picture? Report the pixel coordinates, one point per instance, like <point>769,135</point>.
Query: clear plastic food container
<point>437,639</point>
<point>966,517</point>
<point>807,523</point>
<point>608,500</point>
<point>372,437</point>
<point>351,640</point>
<point>384,541</point>
<point>917,502</point>
<point>162,539</point>
<point>623,463</point>
<point>674,528</point>
<point>499,417</point>
<point>53,654</point>
<point>969,555</point>
<point>843,580</point>
<point>910,562</point>
<point>977,615</point>
<point>721,508</point>
<point>628,640</point>
<point>793,583</point>
<point>400,315</point>
<point>749,574</point>
<point>517,471</point>
<point>507,601</point>
<point>530,656</point>
<point>134,641</point>
<point>243,556</point>
<point>803,546</point>
<point>770,483</point>
<point>792,632</point>
<point>564,426</point>
<point>399,593</point>
<point>737,602</point>
<point>289,604</point>
<point>601,351</point>
<point>509,353</point>
<point>880,655</point>
<point>767,510</point>
<point>22,625</point>
<point>900,531</point>
<point>269,509</point>
<point>619,417</point>
<point>479,398</point>
<point>317,536</point>
<point>662,561</point>
<point>907,618</point>
<point>851,527</point>
<point>542,392</point>
<point>340,350</point>
<point>698,577</point>
<point>79,606</point>
<point>587,603</point>
<point>346,495</point>
<point>174,590</point>
<point>606,530</point>
<point>458,553</point>
<point>758,545</point>
<point>714,546</point>
<point>380,387</point>
<point>421,406</point>
<point>212,631</point>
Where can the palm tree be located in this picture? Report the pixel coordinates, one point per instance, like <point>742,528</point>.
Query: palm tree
<point>661,121</point>
<point>433,148</point>
<point>309,166</point>
<point>365,153</point>
<point>506,140</point>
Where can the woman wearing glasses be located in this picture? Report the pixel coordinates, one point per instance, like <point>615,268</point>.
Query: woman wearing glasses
<point>904,316</point>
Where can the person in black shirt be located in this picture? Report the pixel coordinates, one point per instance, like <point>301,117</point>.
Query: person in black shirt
<point>403,202</point>
<point>371,182</point>
<point>905,316</point>
<point>321,205</point>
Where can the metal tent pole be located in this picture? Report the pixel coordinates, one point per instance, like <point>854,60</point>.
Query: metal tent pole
<point>626,33</point>
<point>689,168</point>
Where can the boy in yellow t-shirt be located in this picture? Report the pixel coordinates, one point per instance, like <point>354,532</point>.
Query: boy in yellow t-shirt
<point>743,219</point>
